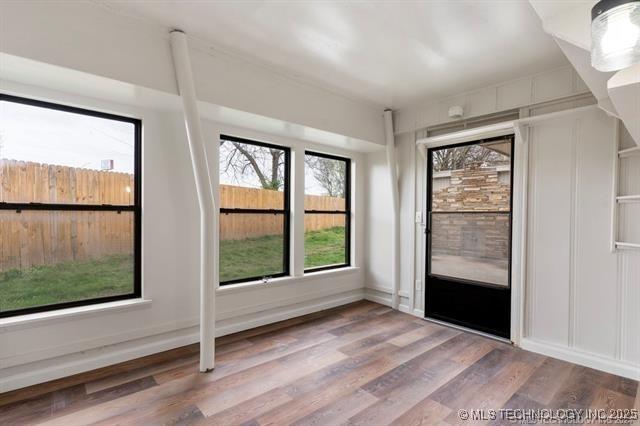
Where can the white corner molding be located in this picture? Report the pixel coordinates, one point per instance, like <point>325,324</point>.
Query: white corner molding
<point>201,170</point>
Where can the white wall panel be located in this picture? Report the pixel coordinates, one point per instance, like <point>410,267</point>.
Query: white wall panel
<point>629,328</point>
<point>378,220</point>
<point>630,175</point>
<point>582,299</point>
<point>595,293</point>
<point>513,94</point>
<point>548,289</point>
<point>406,155</point>
<point>548,86</point>
<point>553,84</point>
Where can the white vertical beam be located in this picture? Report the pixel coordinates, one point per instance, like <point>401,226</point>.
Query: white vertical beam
<point>395,203</point>
<point>297,213</point>
<point>519,192</point>
<point>186,87</point>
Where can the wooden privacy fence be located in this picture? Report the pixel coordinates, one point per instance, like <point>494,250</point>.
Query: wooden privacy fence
<point>249,225</point>
<point>34,238</point>
<point>23,182</point>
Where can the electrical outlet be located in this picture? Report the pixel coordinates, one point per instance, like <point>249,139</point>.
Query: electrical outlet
<point>418,217</point>
<point>418,285</point>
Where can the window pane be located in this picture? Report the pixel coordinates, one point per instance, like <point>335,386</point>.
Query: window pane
<point>251,245</point>
<point>251,176</point>
<point>51,156</point>
<point>472,177</point>
<point>50,257</point>
<point>325,241</point>
<point>472,246</point>
<point>325,183</point>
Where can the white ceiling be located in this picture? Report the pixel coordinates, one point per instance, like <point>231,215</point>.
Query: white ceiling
<point>392,53</point>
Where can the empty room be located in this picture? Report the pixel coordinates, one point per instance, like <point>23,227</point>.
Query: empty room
<point>316,212</point>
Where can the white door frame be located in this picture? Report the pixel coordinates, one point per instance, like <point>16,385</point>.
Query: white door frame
<point>519,211</point>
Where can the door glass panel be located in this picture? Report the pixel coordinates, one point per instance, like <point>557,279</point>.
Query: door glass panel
<point>470,212</point>
<point>471,246</point>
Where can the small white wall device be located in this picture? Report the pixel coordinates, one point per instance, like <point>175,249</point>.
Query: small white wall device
<point>456,111</point>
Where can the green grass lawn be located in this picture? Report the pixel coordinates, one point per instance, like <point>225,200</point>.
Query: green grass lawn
<point>326,247</point>
<point>66,282</point>
<point>113,275</point>
<point>257,257</point>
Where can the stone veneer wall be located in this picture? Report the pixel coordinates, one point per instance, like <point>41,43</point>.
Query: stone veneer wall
<point>473,189</point>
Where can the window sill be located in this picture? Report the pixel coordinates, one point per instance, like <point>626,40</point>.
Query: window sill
<point>283,281</point>
<point>37,319</point>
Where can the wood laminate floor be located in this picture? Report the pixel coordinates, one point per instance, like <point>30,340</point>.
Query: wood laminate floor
<point>362,364</point>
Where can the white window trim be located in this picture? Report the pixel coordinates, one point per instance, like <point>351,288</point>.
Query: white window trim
<point>36,319</point>
<point>283,281</point>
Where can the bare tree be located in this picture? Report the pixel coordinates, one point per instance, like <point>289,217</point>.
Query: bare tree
<point>330,174</point>
<point>266,164</point>
<point>458,158</point>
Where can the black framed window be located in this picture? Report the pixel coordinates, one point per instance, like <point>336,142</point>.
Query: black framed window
<point>70,206</point>
<point>327,214</point>
<point>254,210</point>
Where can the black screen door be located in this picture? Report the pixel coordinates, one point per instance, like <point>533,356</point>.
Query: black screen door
<point>468,279</point>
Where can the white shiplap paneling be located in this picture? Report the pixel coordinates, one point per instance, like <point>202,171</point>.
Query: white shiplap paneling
<point>582,299</point>
<point>549,261</point>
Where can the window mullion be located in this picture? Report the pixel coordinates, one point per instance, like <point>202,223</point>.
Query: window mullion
<point>297,213</point>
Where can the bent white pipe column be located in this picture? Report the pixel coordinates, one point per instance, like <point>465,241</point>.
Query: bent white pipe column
<point>186,87</point>
<point>395,200</point>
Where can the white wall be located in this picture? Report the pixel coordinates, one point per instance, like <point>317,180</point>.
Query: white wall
<point>556,89</point>
<point>543,87</point>
<point>585,297</point>
<point>581,298</point>
<point>43,350</point>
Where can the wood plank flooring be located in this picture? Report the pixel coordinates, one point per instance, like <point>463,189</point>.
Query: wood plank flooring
<point>361,364</point>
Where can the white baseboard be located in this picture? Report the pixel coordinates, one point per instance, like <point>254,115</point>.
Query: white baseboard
<point>380,289</point>
<point>41,372</point>
<point>51,369</point>
<point>406,309</point>
<point>378,299</point>
<point>608,365</point>
<point>237,324</point>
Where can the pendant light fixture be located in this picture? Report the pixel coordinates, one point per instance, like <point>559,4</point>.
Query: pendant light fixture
<point>615,34</point>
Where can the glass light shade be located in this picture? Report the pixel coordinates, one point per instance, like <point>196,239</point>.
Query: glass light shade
<point>615,36</point>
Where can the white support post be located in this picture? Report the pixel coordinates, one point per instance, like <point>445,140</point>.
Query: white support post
<point>395,202</point>
<point>186,87</point>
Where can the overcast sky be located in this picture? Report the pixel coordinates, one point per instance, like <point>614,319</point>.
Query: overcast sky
<point>48,136</point>
<point>43,135</point>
